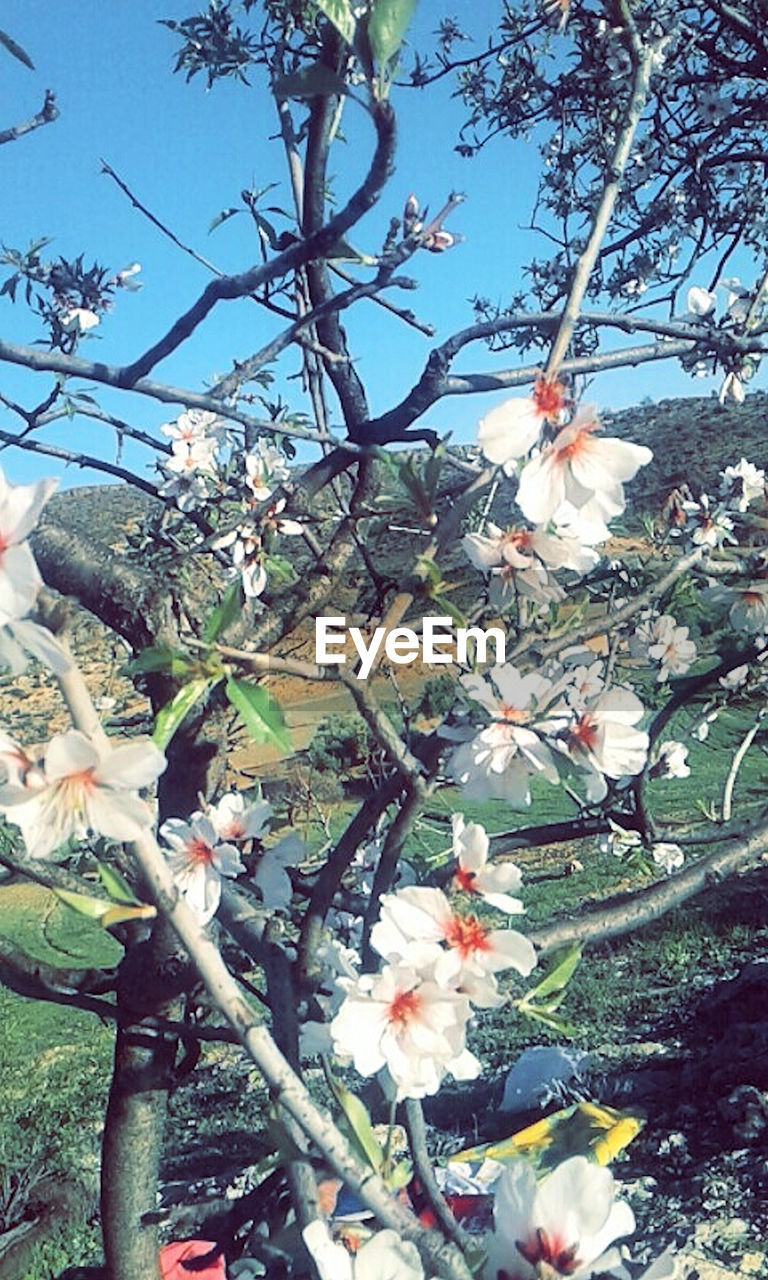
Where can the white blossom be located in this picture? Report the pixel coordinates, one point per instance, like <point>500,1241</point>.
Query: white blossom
<point>198,860</point>
<point>700,302</point>
<point>265,468</point>
<point>233,820</point>
<point>671,648</point>
<point>20,581</point>
<point>518,560</point>
<point>741,484</point>
<point>671,761</point>
<point>124,278</point>
<point>406,1022</point>
<point>78,320</point>
<point>579,467</point>
<point>669,856</point>
<point>188,489</point>
<point>195,455</point>
<point>500,759</point>
<point>713,525</point>
<point>475,874</point>
<point>194,425</point>
<point>735,678</point>
<point>418,926</point>
<point>384,1257</point>
<point>604,737</point>
<point>82,787</point>
<point>561,1226</point>
<point>732,388</point>
<point>248,559</point>
<point>510,430</point>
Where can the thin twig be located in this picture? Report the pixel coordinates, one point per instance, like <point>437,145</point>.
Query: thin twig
<point>643,63</point>
<point>736,763</point>
<point>46,115</point>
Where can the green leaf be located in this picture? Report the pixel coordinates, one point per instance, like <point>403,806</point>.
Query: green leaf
<point>387,25</point>
<point>314,81</point>
<point>265,228</point>
<point>16,50</point>
<point>116,884</point>
<point>260,713</point>
<point>558,1025</point>
<point>160,657</point>
<point>225,613</point>
<point>102,911</point>
<point>359,1123</point>
<point>339,12</point>
<point>440,602</point>
<point>556,980</point>
<point>175,711</point>
<point>222,217</point>
<point>280,569</point>
<point>400,1176</point>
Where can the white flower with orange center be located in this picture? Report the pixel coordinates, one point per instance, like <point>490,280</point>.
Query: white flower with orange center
<point>604,738</point>
<point>474,873</point>
<point>500,759</point>
<point>518,560</point>
<point>405,1022</point>
<point>265,468</point>
<point>198,860</point>
<point>80,789</point>
<point>194,455</point>
<point>510,430</point>
<point>579,467</point>
<point>419,926</point>
<point>234,819</point>
<point>564,1225</point>
<point>520,548</point>
<point>193,425</point>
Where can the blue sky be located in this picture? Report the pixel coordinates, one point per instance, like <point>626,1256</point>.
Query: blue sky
<point>187,154</point>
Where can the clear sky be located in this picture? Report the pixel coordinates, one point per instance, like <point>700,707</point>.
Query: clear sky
<point>187,153</point>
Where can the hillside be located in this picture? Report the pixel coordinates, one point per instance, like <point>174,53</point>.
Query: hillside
<point>692,439</point>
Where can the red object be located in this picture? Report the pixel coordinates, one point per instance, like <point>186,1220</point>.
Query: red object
<point>173,1256</point>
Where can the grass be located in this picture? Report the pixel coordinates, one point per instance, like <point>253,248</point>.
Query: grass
<point>54,1067</point>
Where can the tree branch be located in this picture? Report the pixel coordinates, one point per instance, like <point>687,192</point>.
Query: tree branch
<point>634,910</point>
<point>227,288</point>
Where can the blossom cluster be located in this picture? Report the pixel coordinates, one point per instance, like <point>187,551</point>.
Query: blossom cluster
<point>210,846</point>
<point>563,720</point>
<point>200,468</point>
<point>409,1020</point>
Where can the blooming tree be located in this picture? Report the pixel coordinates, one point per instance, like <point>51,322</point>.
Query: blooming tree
<point>606,656</point>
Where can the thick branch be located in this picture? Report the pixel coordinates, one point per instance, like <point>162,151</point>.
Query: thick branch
<point>645,905</point>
